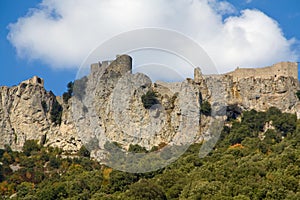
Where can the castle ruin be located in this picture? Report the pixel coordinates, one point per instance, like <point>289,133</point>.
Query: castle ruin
<point>285,69</point>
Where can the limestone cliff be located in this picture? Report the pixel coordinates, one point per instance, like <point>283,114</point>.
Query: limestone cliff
<point>262,88</point>
<point>25,113</point>
<point>113,100</point>
<point>107,105</point>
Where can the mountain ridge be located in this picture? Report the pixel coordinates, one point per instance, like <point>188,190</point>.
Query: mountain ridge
<point>25,110</point>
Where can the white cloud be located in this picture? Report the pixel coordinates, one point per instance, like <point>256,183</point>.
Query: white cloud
<point>221,7</point>
<point>62,33</point>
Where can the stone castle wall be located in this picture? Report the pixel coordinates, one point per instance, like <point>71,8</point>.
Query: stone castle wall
<point>122,63</point>
<point>95,66</point>
<point>35,81</point>
<point>285,69</point>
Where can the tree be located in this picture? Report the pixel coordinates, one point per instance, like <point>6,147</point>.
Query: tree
<point>118,181</point>
<point>30,146</point>
<point>83,151</point>
<point>67,95</point>
<point>54,162</point>
<point>237,135</point>
<point>254,120</point>
<point>24,188</point>
<point>285,123</point>
<point>146,190</point>
<point>272,137</point>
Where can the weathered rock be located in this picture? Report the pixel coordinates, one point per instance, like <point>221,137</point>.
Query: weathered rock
<point>25,115</point>
<point>107,106</point>
<point>115,111</point>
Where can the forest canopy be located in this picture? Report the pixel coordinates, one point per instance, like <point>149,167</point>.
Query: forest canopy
<point>248,162</point>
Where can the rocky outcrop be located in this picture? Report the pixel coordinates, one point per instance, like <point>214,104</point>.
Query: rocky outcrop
<point>107,106</point>
<point>25,114</point>
<point>111,108</point>
<point>260,94</point>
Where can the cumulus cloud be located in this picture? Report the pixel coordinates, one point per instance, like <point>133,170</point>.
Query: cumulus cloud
<point>62,33</point>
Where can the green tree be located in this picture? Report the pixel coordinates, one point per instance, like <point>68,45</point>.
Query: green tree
<point>145,190</point>
<point>285,123</point>
<point>254,120</point>
<point>272,137</point>
<point>67,95</point>
<point>119,182</point>
<point>54,162</point>
<point>24,188</point>
<point>30,146</point>
<point>238,134</point>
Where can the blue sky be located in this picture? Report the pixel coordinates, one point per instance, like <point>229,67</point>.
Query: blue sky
<point>57,70</point>
<point>285,12</point>
<point>15,69</point>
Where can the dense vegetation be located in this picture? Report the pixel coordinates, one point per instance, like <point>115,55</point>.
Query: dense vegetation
<point>249,162</point>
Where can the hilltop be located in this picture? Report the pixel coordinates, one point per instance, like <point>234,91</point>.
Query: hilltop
<point>114,95</point>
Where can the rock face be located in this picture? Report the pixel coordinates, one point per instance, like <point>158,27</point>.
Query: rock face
<point>25,114</point>
<point>107,105</point>
<point>112,108</point>
<point>263,88</point>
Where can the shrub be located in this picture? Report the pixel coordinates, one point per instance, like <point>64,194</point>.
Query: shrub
<point>56,113</point>
<point>135,148</point>
<point>30,146</point>
<point>149,99</point>
<point>54,162</point>
<point>83,151</point>
<point>205,108</point>
<point>233,111</point>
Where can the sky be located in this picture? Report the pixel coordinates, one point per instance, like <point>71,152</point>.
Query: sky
<point>51,38</point>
